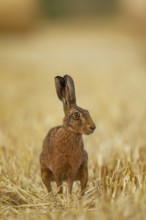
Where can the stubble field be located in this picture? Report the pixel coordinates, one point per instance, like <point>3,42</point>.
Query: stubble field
<point>110,82</point>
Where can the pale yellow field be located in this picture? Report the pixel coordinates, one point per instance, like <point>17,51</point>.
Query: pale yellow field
<point>110,80</point>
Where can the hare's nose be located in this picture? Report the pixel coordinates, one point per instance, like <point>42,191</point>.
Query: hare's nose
<point>92,128</point>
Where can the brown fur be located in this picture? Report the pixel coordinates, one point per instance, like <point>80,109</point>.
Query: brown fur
<point>63,157</point>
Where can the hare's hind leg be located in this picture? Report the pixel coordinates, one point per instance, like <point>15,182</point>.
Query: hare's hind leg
<point>47,177</point>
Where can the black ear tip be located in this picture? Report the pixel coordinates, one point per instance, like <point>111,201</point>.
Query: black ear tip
<point>67,77</point>
<point>61,80</point>
<point>58,77</point>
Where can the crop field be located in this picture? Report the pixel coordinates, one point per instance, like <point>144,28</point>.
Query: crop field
<point>110,79</point>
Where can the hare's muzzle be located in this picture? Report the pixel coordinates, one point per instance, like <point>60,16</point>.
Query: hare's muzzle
<point>92,128</point>
<point>89,129</point>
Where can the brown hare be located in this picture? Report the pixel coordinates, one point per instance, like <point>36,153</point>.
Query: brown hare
<point>63,157</point>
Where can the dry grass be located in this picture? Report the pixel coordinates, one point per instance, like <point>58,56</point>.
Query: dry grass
<point>115,96</point>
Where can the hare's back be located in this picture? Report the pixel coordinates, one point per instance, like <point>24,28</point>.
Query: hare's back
<point>51,137</point>
<point>48,145</point>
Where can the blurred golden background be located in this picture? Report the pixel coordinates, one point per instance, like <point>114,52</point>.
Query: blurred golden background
<point>102,45</point>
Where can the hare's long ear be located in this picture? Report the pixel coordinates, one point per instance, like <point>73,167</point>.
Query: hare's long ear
<point>66,91</point>
<point>70,90</point>
<point>61,89</point>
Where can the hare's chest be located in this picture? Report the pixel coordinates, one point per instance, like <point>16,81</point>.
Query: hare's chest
<point>68,150</point>
<point>68,154</point>
<point>68,144</point>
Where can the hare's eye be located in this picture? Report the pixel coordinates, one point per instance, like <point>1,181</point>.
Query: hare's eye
<point>76,115</point>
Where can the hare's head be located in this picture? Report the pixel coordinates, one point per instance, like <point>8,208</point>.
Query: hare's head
<point>76,119</point>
